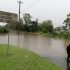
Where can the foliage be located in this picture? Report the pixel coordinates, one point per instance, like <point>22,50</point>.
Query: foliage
<point>46,26</point>
<point>61,35</point>
<point>34,26</point>
<point>29,26</point>
<point>3,30</point>
<point>67,22</point>
<point>27,18</point>
<point>22,59</point>
<point>64,35</point>
<point>20,25</point>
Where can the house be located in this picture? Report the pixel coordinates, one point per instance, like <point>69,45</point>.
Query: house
<point>8,17</point>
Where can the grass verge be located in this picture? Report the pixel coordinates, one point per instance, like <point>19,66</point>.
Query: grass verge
<point>22,59</point>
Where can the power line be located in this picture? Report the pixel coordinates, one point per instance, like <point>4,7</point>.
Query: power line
<point>32,5</point>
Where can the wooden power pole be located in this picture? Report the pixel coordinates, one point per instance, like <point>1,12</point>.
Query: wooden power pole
<point>20,2</point>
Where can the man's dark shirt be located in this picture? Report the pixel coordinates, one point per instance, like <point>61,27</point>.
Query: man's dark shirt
<point>68,50</point>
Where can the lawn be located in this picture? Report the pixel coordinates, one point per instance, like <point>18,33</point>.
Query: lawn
<point>23,59</point>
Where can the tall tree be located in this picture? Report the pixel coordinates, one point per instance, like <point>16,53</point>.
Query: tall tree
<point>30,25</point>
<point>67,22</point>
<point>27,18</point>
<point>27,21</point>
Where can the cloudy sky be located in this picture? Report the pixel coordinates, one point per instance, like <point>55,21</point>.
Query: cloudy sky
<point>55,10</point>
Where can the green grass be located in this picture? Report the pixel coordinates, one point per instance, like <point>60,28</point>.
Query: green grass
<point>63,35</point>
<point>22,59</point>
<point>45,34</point>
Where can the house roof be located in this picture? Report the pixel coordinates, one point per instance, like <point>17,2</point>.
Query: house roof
<point>9,12</point>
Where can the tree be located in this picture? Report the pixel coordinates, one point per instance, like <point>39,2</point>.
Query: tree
<point>58,29</point>
<point>20,25</point>
<point>64,28</point>
<point>67,22</point>
<point>34,26</point>
<point>46,26</point>
<point>30,26</point>
<point>27,21</point>
<point>27,18</point>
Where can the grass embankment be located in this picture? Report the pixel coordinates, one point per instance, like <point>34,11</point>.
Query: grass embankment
<point>65,36</point>
<point>22,59</point>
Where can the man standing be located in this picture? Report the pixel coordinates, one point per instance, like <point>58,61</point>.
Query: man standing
<point>68,52</point>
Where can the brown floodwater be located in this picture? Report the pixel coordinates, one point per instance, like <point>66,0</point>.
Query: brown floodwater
<point>52,49</point>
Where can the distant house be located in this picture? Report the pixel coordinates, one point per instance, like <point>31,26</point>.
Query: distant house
<point>8,17</point>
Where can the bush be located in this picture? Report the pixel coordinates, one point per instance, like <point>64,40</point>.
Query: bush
<point>3,30</point>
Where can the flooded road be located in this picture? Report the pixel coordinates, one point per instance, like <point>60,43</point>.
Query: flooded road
<point>53,49</point>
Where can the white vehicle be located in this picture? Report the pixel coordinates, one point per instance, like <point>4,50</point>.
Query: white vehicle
<point>3,24</point>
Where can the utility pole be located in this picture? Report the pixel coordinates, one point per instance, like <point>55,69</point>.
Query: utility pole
<point>19,13</point>
<point>19,2</point>
<point>19,8</point>
<point>8,40</point>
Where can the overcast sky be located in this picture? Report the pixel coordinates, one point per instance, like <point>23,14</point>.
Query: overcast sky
<point>55,10</point>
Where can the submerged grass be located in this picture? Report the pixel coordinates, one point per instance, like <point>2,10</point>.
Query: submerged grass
<point>62,35</point>
<point>22,59</point>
